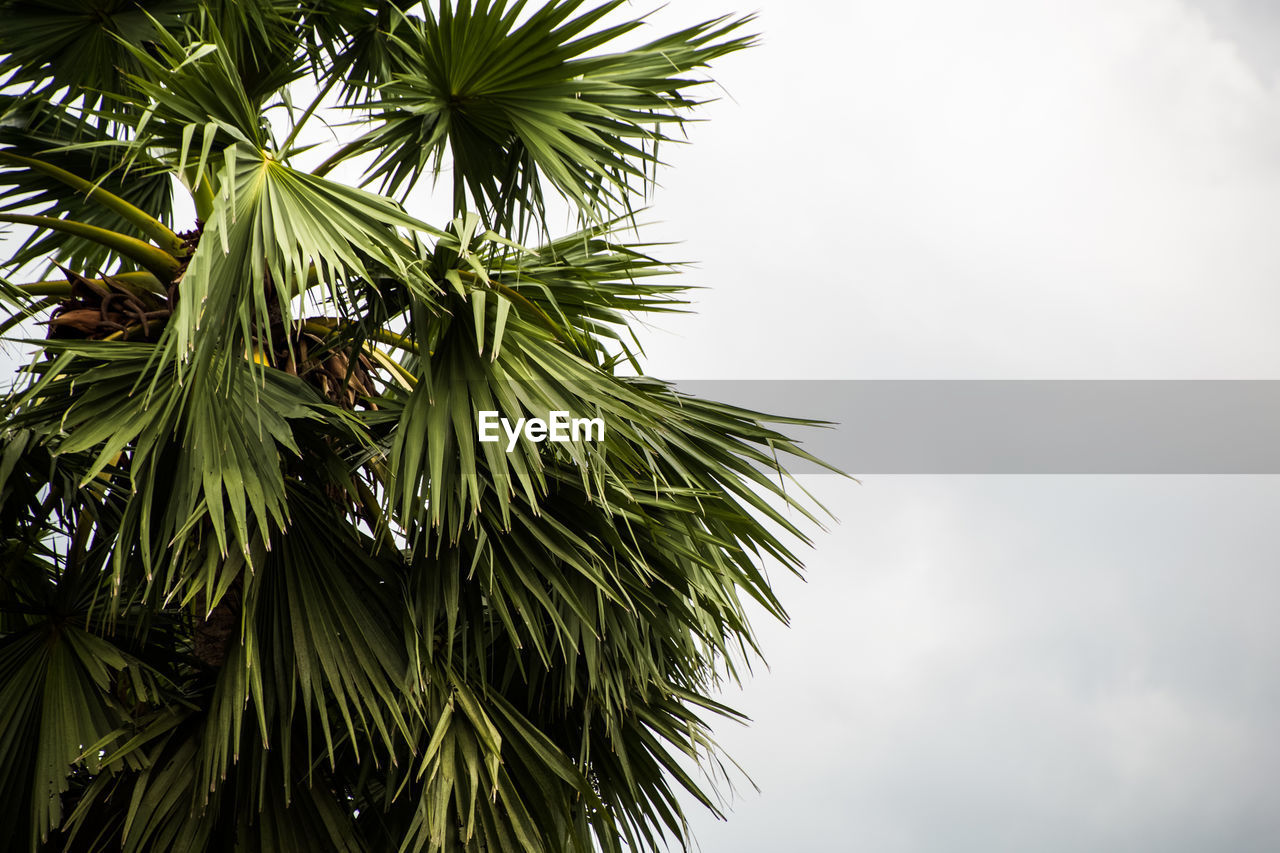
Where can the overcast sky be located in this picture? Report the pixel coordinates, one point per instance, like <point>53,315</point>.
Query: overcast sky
<point>996,189</point>
<point>1001,189</point>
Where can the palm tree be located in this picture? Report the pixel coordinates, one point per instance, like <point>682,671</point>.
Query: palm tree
<point>261,587</point>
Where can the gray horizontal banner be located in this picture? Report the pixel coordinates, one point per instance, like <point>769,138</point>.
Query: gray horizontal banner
<point>1023,426</point>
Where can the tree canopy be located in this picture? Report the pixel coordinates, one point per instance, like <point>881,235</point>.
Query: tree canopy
<point>261,587</point>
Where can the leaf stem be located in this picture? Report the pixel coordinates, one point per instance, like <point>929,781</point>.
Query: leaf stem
<point>297,126</point>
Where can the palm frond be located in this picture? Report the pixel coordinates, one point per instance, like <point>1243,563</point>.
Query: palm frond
<point>67,148</point>
<point>75,49</point>
<point>518,100</point>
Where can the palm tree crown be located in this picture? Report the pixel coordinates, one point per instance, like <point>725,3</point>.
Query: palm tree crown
<point>261,585</point>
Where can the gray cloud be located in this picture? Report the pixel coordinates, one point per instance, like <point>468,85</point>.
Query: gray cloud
<point>1021,663</point>
<point>1252,25</point>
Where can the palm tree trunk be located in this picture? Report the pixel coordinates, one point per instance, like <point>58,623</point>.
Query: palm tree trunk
<point>219,627</point>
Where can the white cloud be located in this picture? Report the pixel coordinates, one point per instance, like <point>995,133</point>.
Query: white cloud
<point>997,189</point>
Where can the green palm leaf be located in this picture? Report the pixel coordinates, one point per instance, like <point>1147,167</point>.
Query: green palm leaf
<point>50,160</point>
<point>518,100</point>
<point>75,48</point>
